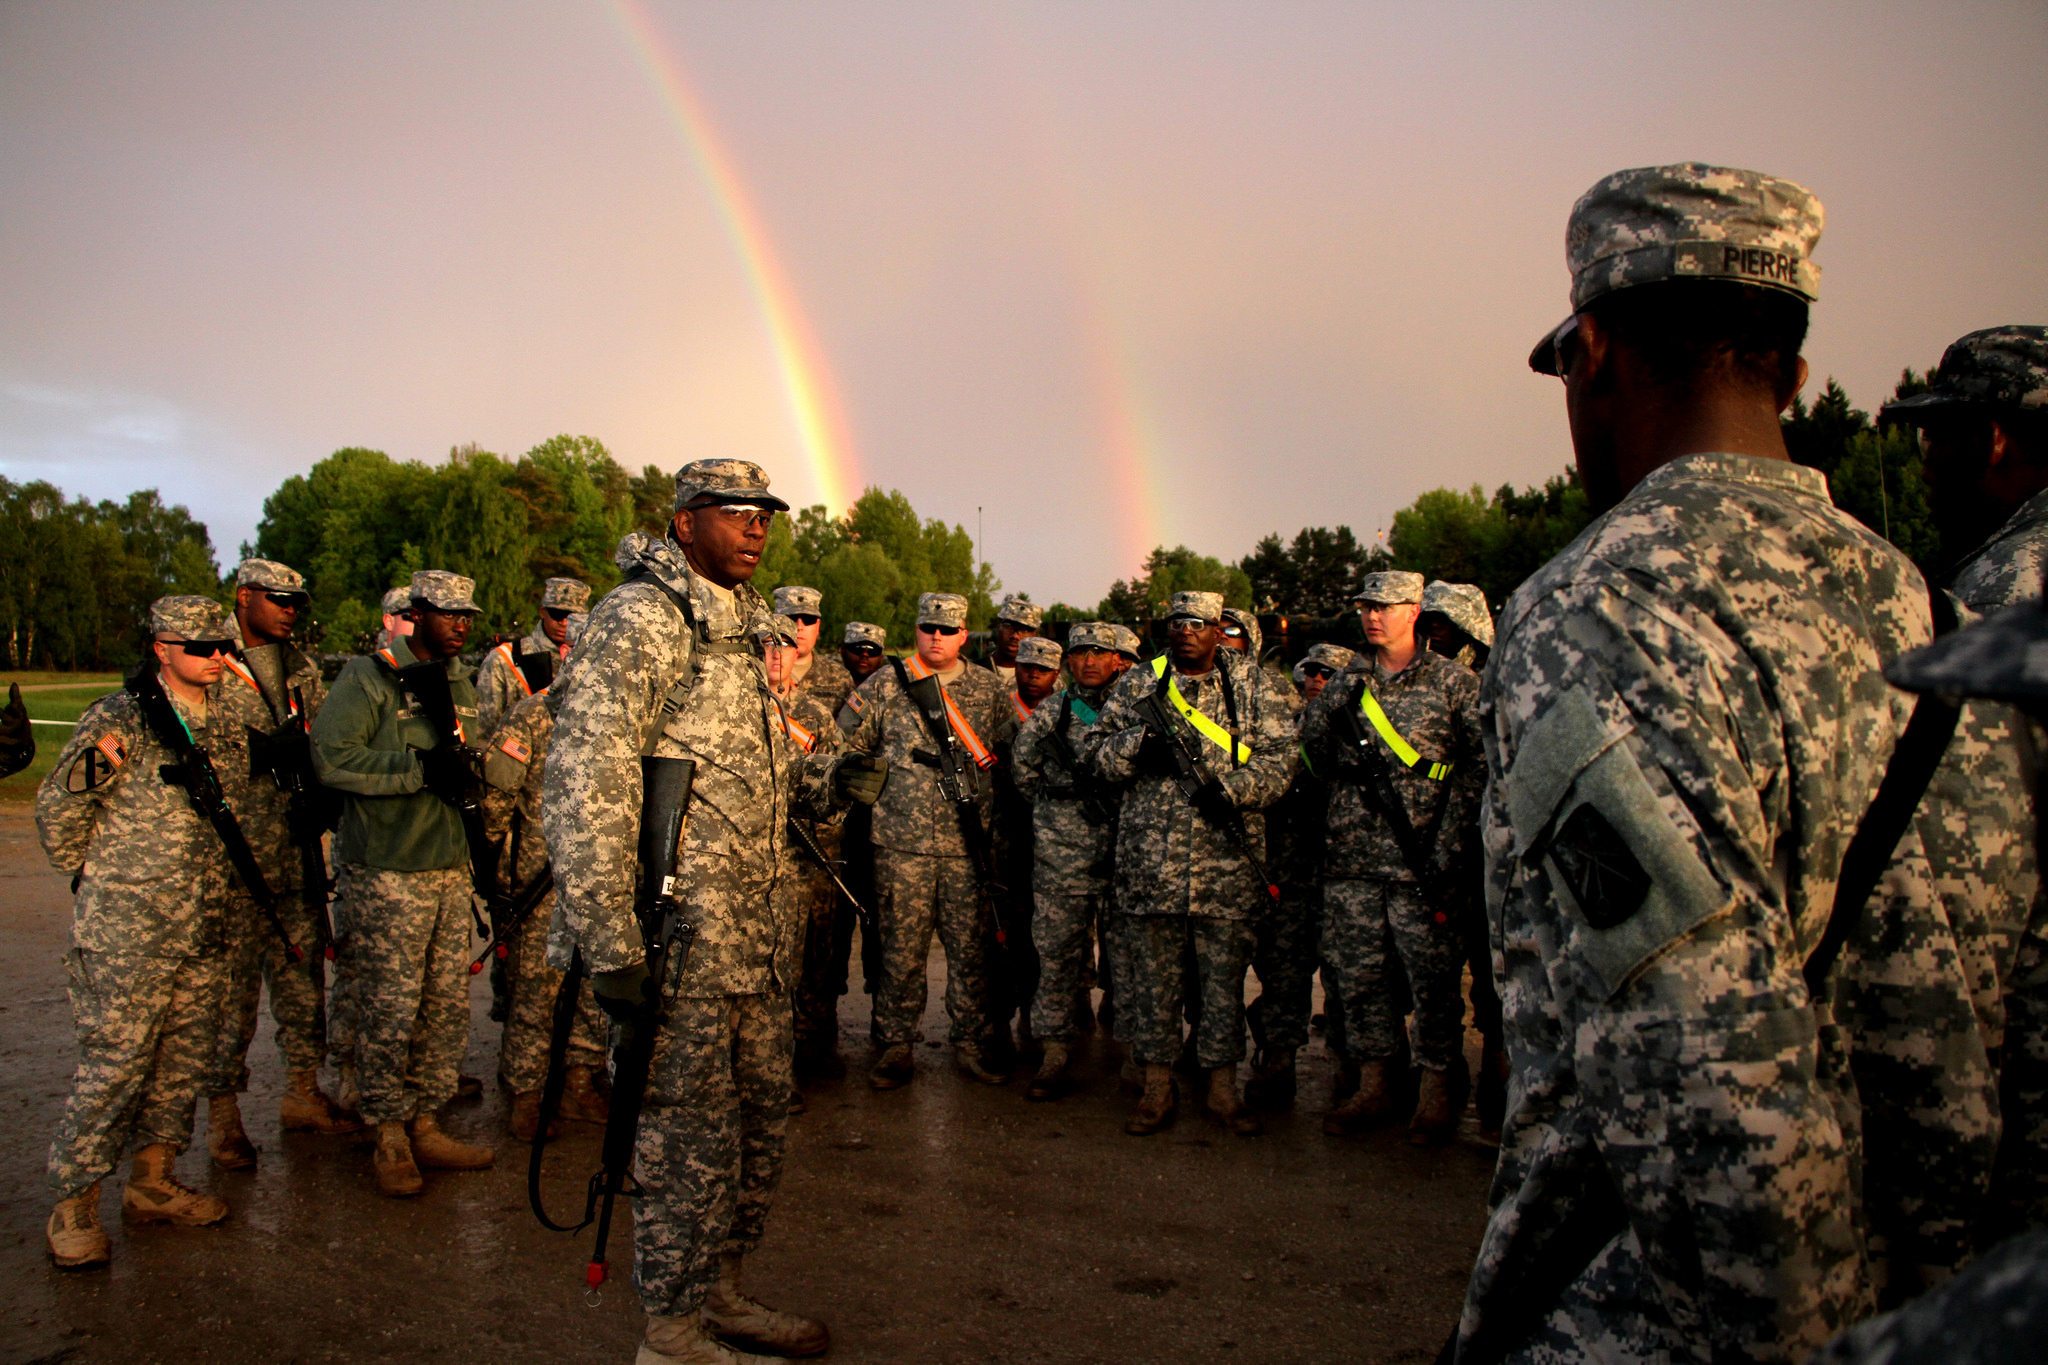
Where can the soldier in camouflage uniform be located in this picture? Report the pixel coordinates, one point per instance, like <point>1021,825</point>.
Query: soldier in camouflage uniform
<point>819,675</point>
<point>1187,896</point>
<point>1073,822</point>
<point>1034,678</point>
<point>515,768</point>
<point>1687,722</point>
<point>1455,623</point>
<point>1017,620</point>
<point>925,875</point>
<point>519,668</point>
<point>397,615</point>
<point>861,653</point>
<point>1321,663</point>
<point>403,895</point>
<point>667,669</point>
<point>1419,714</point>
<point>148,928</point>
<point>270,695</point>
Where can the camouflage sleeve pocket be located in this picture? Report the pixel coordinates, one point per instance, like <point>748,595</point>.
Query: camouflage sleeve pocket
<point>1580,800</point>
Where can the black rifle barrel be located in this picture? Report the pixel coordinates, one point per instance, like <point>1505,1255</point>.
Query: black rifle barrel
<point>1204,793</point>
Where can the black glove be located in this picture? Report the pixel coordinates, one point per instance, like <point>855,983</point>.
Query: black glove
<point>451,772</point>
<point>17,736</point>
<point>624,995</point>
<point>859,777</point>
<point>1155,755</point>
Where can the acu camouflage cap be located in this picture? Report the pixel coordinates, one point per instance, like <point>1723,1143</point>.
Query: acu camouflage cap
<point>397,600</point>
<point>865,633</point>
<point>942,609</point>
<point>189,618</point>
<point>725,481</point>
<point>1091,635</point>
<point>1336,658</point>
<point>1127,642</point>
<point>1019,608</point>
<point>270,576</point>
<point>1039,651</point>
<point>1203,606</point>
<point>1247,623</point>
<point>1464,606</point>
<point>1688,221</point>
<point>570,593</point>
<point>444,591</point>
<point>795,601</point>
<point>1999,367</point>
<point>2003,658</point>
<point>778,628</point>
<point>1389,587</point>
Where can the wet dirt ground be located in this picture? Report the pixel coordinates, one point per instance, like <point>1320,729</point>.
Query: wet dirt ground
<point>946,1222</point>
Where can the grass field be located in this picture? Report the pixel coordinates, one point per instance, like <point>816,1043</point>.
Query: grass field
<point>40,678</point>
<point>55,704</point>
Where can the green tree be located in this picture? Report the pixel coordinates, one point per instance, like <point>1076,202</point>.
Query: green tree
<point>1874,475</point>
<point>1167,572</point>
<point>1314,575</point>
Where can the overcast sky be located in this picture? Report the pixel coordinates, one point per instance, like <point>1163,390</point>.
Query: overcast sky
<point>1117,273</point>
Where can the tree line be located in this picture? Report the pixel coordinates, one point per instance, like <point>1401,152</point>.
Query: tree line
<point>77,577</point>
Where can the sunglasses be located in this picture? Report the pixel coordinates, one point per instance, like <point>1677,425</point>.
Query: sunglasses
<point>1234,632</point>
<point>293,601</point>
<point>743,517</point>
<point>803,618</point>
<point>865,651</point>
<point>1317,671</point>
<point>949,631</point>
<point>556,613</point>
<point>199,649</point>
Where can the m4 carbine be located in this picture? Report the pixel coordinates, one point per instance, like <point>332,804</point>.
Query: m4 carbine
<point>285,755</point>
<point>1201,788</point>
<point>427,684</point>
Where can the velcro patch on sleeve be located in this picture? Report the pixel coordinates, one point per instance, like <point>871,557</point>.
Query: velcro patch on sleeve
<point>511,745</point>
<point>96,765</point>
<point>853,703</point>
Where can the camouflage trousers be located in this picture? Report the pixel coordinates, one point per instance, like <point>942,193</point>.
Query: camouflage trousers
<point>408,954</point>
<point>1362,922</point>
<point>916,894</point>
<point>1166,955</point>
<point>1284,958</point>
<point>711,1142</point>
<point>146,1028</point>
<point>827,922</point>
<point>1062,931</point>
<point>531,988</point>
<point>298,991</point>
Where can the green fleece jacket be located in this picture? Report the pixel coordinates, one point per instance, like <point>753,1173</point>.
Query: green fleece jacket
<point>363,743</point>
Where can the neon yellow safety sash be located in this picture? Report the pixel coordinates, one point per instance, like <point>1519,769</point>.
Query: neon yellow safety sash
<point>1206,728</point>
<point>1403,750</point>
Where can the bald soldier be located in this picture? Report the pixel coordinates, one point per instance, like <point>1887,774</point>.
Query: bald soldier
<point>519,669</point>
<point>1707,1158</point>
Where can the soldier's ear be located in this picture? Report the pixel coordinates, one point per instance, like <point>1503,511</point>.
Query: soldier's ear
<point>683,526</point>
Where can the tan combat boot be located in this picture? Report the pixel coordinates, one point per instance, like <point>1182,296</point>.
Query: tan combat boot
<point>581,1099</point>
<point>348,1092</point>
<point>737,1320</point>
<point>155,1196</point>
<point>1222,1101</point>
<point>436,1151</point>
<point>683,1341</point>
<point>1052,1080</point>
<point>974,1062</point>
<point>225,1138</point>
<point>77,1241</point>
<point>1156,1106</point>
<point>524,1117</point>
<point>1371,1102</point>
<point>398,1175</point>
<point>894,1068</point>
<point>1433,1123</point>
<point>306,1109</point>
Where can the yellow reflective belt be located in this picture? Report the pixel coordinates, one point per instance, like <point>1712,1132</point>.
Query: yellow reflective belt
<point>1206,728</point>
<point>1403,750</point>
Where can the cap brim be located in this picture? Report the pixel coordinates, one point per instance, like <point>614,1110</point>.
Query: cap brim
<point>760,496</point>
<point>2003,658</point>
<point>1920,405</point>
<point>1543,358</point>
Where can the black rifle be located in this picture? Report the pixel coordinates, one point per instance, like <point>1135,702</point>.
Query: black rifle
<point>1365,762</point>
<point>1202,790</point>
<point>1082,785</point>
<point>193,771</point>
<point>811,846</point>
<point>507,912</point>
<point>958,783</point>
<point>664,802</point>
<point>427,684</point>
<point>285,755</point>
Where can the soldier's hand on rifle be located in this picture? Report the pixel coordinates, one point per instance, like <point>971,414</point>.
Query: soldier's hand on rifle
<point>624,995</point>
<point>450,772</point>
<point>860,777</point>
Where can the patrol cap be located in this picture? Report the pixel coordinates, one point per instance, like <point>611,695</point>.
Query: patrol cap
<point>795,601</point>
<point>1203,606</point>
<point>1247,623</point>
<point>1127,643</point>
<point>1999,367</point>
<point>1087,635</point>
<point>1389,587</point>
<point>942,609</point>
<point>775,627</point>
<point>1336,658</point>
<point>2003,657</point>
<point>1019,608</point>
<point>725,481</point>
<point>865,633</point>
<point>189,618</point>
<point>1688,221</point>
<point>270,576</point>
<point>397,600</point>
<point>570,593</point>
<point>1463,605</point>
<point>444,591</point>
<point>1039,652</point>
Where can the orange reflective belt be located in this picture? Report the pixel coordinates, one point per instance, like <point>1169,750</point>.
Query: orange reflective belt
<point>1023,711</point>
<point>512,662</point>
<point>976,750</point>
<point>801,737</point>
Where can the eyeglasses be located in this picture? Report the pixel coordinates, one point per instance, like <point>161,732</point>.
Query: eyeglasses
<point>1317,671</point>
<point>556,613</point>
<point>291,601</point>
<point>1086,652</point>
<point>1564,348</point>
<point>199,649</point>
<point>926,628</point>
<point>1187,625</point>
<point>1234,632</point>
<point>865,651</point>
<point>743,517</point>
<point>803,618</point>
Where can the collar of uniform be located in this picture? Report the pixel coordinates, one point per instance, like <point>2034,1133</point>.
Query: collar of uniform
<point>1094,696</point>
<point>2032,513</point>
<point>537,642</point>
<point>1729,468</point>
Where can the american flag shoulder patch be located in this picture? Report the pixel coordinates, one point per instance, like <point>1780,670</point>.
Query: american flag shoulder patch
<point>111,746</point>
<point>520,752</point>
<point>853,701</point>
